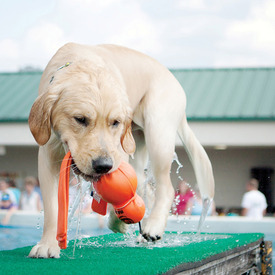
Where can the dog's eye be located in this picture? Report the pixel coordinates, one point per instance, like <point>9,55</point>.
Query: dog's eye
<point>115,123</point>
<point>81,120</point>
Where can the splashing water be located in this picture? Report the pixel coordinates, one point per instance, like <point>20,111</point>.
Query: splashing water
<point>168,240</point>
<point>130,239</point>
<point>206,202</point>
<point>84,187</point>
<point>176,159</point>
<point>177,198</point>
<point>39,220</point>
<point>150,181</point>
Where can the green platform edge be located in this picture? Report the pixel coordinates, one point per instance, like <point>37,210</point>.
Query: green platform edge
<point>93,257</point>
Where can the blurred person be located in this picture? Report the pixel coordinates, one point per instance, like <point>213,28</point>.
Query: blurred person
<point>4,189</point>
<point>30,199</point>
<point>182,197</point>
<point>7,204</point>
<point>221,211</point>
<point>16,191</point>
<point>253,202</point>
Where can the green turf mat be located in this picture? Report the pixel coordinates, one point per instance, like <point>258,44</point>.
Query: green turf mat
<point>119,254</point>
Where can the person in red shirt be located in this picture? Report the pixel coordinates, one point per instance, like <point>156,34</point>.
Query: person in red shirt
<point>182,197</point>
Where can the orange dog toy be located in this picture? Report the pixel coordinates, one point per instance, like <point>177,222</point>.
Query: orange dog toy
<point>63,201</point>
<point>117,188</point>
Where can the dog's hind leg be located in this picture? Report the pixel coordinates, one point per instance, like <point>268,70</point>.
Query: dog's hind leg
<point>48,177</point>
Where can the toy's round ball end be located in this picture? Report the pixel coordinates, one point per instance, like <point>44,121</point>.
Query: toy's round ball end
<point>118,186</point>
<point>132,212</point>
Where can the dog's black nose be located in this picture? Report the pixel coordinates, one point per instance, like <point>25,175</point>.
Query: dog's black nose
<point>102,165</point>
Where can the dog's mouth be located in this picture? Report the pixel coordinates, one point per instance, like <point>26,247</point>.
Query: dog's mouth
<point>78,172</point>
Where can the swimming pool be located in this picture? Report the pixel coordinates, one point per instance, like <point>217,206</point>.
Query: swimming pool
<point>25,229</point>
<point>19,236</point>
<point>16,236</point>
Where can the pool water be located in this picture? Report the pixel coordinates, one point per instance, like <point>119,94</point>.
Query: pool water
<point>17,236</point>
<point>14,237</point>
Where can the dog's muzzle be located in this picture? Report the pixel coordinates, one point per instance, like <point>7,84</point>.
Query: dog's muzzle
<point>102,165</point>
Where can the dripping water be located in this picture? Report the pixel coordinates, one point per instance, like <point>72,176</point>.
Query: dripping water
<point>82,188</point>
<point>206,201</point>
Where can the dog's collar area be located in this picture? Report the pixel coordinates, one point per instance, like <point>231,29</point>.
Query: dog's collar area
<point>63,66</point>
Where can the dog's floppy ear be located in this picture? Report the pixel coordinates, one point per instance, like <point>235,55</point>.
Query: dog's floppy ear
<point>40,117</point>
<point>127,140</point>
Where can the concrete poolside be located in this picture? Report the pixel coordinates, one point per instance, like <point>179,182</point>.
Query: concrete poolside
<point>212,224</point>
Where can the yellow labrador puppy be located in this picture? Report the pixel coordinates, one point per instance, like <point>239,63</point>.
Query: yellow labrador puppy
<point>97,102</point>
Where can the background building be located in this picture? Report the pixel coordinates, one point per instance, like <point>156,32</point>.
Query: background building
<point>231,111</point>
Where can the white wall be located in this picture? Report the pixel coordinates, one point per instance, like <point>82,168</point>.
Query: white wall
<point>21,160</point>
<point>231,168</point>
<point>234,133</point>
<point>230,133</point>
<point>14,134</point>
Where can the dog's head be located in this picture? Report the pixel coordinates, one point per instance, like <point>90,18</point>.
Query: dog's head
<point>88,110</point>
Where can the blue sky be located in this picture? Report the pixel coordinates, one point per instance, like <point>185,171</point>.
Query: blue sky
<point>178,33</point>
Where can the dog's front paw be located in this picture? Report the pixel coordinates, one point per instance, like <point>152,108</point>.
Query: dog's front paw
<point>146,238</point>
<point>152,229</point>
<point>45,250</point>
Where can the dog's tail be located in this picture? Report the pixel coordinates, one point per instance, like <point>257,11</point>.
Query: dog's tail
<point>199,159</point>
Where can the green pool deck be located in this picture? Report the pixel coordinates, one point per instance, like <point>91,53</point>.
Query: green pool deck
<point>118,254</point>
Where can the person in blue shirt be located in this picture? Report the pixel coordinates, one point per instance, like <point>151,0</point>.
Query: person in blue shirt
<point>7,204</point>
<point>195,205</point>
<point>14,189</point>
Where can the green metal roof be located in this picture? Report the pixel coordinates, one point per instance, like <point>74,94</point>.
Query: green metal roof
<point>17,94</point>
<point>212,94</point>
<point>229,94</point>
